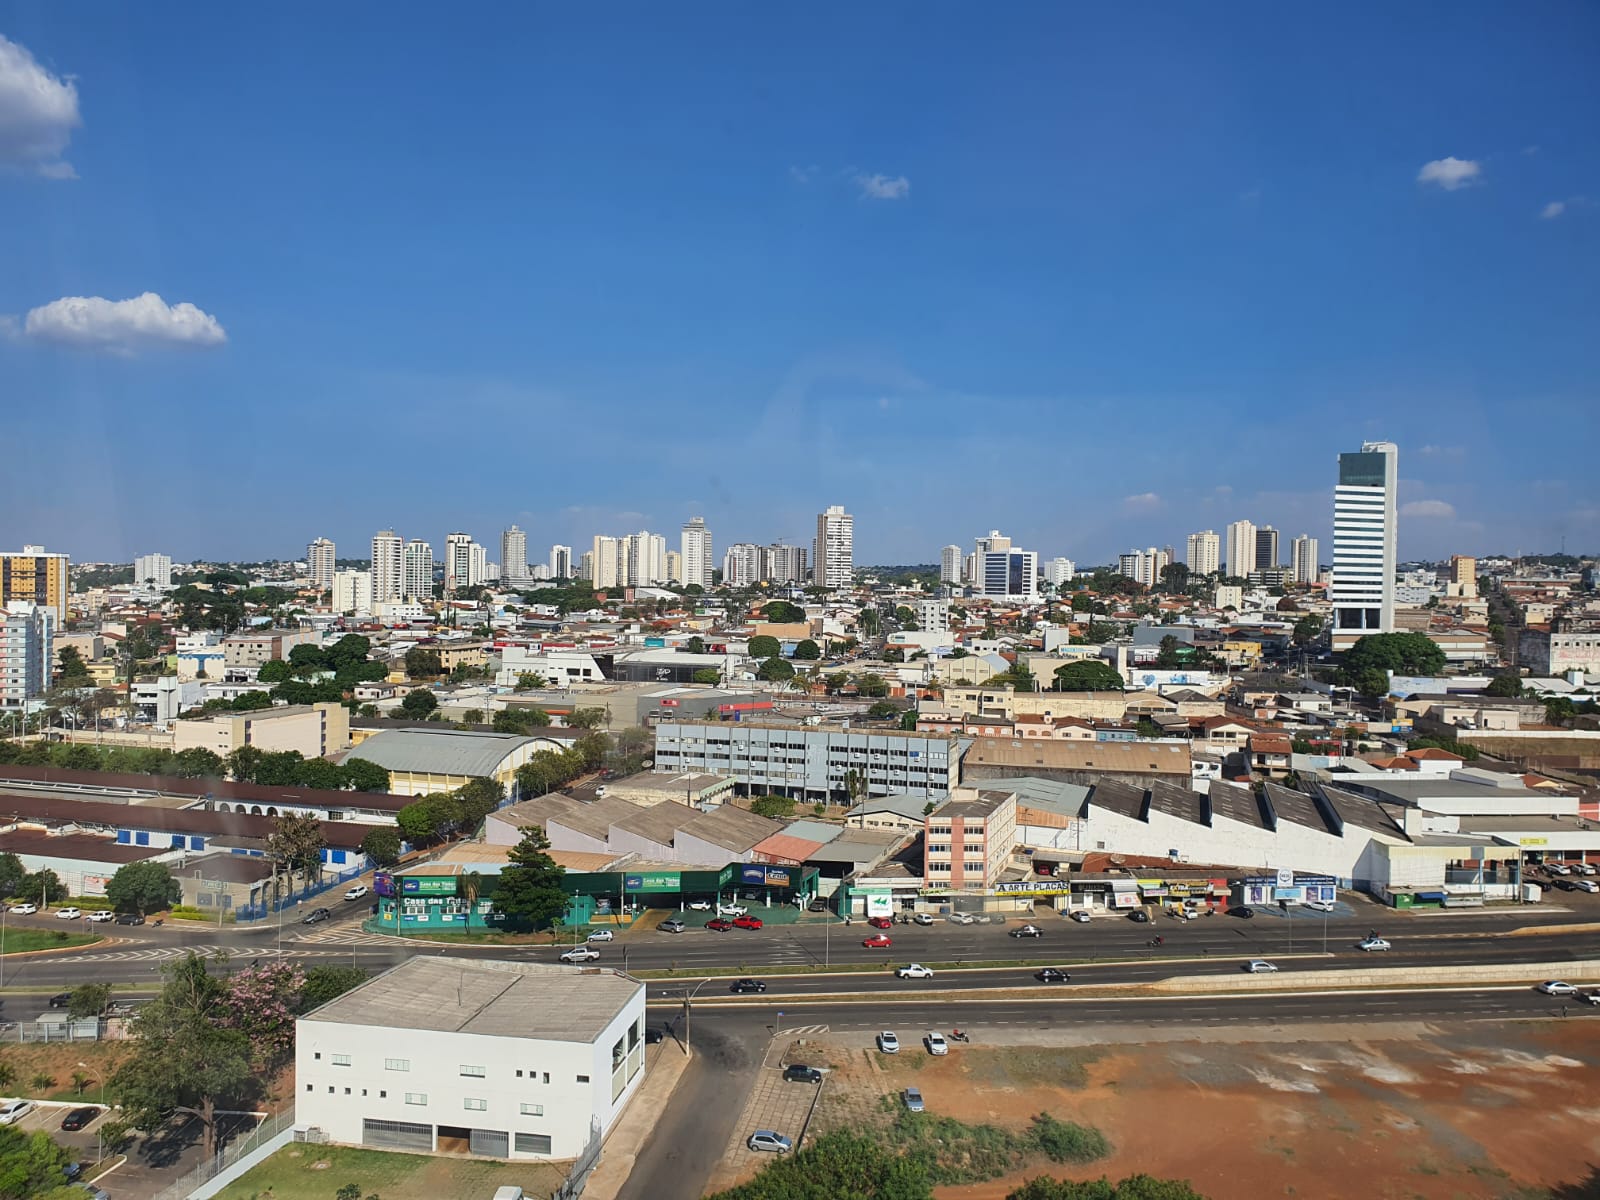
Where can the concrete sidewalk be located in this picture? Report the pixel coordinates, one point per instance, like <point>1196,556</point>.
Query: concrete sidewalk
<point>638,1122</point>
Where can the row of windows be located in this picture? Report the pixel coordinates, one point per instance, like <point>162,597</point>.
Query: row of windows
<point>467,1070</point>
<point>470,1103</point>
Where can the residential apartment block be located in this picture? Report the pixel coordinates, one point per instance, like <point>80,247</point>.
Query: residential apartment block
<point>37,577</point>
<point>27,652</point>
<point>968,841</point>
<point>810,763</point>
<point>321,555</point>
<point>833,552</point>
<point>315,730</point>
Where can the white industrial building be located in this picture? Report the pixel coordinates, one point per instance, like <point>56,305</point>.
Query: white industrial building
<point>490,1058</point>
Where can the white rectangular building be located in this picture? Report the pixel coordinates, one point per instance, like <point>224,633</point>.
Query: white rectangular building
<point>321,559</point>
<point>1203,552</point>
<point>1365,537</point>
<point>469,1056</point>
<point>153,570</point>
<point>27,652</point>
<point>833,551</point>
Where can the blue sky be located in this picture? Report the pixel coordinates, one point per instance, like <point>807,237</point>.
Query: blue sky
<point>1094,277</point>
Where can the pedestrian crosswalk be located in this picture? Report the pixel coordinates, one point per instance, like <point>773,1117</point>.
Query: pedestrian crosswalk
<point>803,1030</point>
<point>348,935</point>
<point>157,954</point>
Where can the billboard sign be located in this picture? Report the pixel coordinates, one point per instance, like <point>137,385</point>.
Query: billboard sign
<point>428,885</point>
<point>880,904</point>
<point>1037,887</point>
<point>652,881</point>
<point>383,884</point>
<point>762,876</point>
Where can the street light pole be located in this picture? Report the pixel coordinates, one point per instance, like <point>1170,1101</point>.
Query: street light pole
<point>688,1010</point>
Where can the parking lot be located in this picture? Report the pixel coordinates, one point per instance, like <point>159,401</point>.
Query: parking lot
<point>773,1104</point>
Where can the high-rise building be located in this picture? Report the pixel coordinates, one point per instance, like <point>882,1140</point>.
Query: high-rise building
<point>560,562</point>
<point>388,566</point>
<point>418,578</point>
<point>352,591</point>
<point>833,551</point>
<point>643,559</point>
<point>513,555</point>
<point>1059,571</point>
<point>153,570</point>
<point>1204,553</point>
<point>1463,576</point>
<point>741,564</point>
<point>1266,548</point>
<point>1239,544</point>
<point>783,564</point>
<point>37,577</point>
<point>320,563</point>
<point>950,564</point>
<point>933,616</point>
<point>465,562</point>
<point>1303,559</point>
<point>674,567</point>
<point>1003,570</point>
<point>27,652</point>
<point>1365,540</point>
<point>608,562</point>
<point>696,544</point>
<point>1143,566</point>
<point>586,566</point>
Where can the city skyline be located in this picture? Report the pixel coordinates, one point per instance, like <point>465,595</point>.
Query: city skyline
<point>1116,230</point>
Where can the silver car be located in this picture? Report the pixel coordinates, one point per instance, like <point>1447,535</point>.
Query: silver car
<point>769,1139</point>
<point>913,1098</point>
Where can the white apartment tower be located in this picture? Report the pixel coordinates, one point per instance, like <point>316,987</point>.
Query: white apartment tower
<point>319,563</point>
<point>607,562</point>
<point>388,566</point>
<point>1059,571</point>
<point>696,547</point>
<point>950,565</point>
<point>352,591</point>
<point>1204,553</point>
<point>513,555</point>
<point>1365,537</point>
<point>418,577</point>
<point>741,564</point>
<point>644,559</point>
<point>833,552</point>
<point>1143,566</point>
<point>783,564</point>
<point>560,562</point>
<point>1241,548</point>
<point>1303,559</point>
<point>153,570</point>
<point>27,652</point>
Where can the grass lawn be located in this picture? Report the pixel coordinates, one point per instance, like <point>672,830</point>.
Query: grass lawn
<point>19,941</point>
<point>305,1172</point>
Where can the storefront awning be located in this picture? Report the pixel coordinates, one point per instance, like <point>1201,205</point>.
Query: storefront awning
<point>1124,885</point>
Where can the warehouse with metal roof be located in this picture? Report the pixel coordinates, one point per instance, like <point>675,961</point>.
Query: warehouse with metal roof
<point>421,762</point>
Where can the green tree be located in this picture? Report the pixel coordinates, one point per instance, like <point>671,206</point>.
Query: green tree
<point>775,670</point>
<point>838,1166</point>
<point>1134,1187</point>
<point>695,645</point>
<point>519,718</point>
<point>43,887</point>
<point>196,763</point>
<point>422,663</point>
<point>707,675</point>
<point>883,710</point>
<point>328,982</point>
<point>382,845</point>
<point>275,671</point>
<point>908,720</point>
<point>1402,653</point>
<point>280,768</point>
<point>1307,629</point>
<point>872,685</point>
<point>143,887</point>
<point>1505,686</point>
<point>776,807</point>
<point>321,774</point>
<point>71,670</point>
<point>781,612</point>
<point>242,763</point>
<point>31,1164</point>
<point>88,1000</point>
<point>530,894</point>
<point>530,681</point>
<point>1088,675</point>
<point>1167,658</point>
<point>296,843</point>
<point>587,718</point>
<point>182,1059</point>
<point>763,647</point>
<point>808,650</point>
<point>1174,578</point>
<point>12,873</point>
<point>364,776</point>
<point>418,703</point>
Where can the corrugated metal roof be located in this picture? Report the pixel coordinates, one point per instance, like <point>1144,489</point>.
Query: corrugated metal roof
<point>441,751</point>
<point>815,831</point>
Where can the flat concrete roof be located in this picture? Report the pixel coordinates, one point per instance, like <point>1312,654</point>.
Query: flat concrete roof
<point>491,998</point>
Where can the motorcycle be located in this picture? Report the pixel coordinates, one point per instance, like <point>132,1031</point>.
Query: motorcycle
<point>958,1035</point>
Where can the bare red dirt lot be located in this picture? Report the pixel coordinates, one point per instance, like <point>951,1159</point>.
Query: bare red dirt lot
<point>1473,1112</point>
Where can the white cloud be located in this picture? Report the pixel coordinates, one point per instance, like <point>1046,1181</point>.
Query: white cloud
<point>1451,173</point>
<point>1428,508</point>
<point>1432,451</point>
<point>803,174</point>
<point>1552,210</point>
<point>38,113</point>
<point>1142,502</point>
<point>122,326</point>
<point>884,187</point>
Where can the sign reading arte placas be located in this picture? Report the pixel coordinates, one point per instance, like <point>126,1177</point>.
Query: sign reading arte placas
<point>652,881</point>
<point>1038,887</point>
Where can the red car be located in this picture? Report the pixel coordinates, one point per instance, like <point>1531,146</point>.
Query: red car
<point>879,922</point>
<point>720,924</point>
<point>877,941</point>
<point>747,922</point>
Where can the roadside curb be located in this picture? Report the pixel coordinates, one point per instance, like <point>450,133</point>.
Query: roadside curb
<point>48,950</point>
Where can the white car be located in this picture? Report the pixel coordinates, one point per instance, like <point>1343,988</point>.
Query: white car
<point>1079,915</point>
<point>1373,943</point>
<point>24,909</point>
<point>1557,987</point>
<point>1586,885</point>
<point>68,914</point>
<point>1555,869</point>
<point>731,910</point>
<point>356,892</point>
<point>914,971</point>
<point>769,1139</point>
<point>888,1042</point>
<point>1319,906</point>
<point>1585,868</point>
<point>959,918</point>
<point>103,914</point>
<point>1589,997</point>
<point>1259,966</point>
<point>601,935</point>
<point>922,919</point>
<point>700,905</point>
<point>13,1111</point>
<point>580,954</point>
<point>936,1043</point>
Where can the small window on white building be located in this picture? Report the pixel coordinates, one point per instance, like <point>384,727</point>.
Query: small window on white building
<point>472,1105</point>
<point>581,1079</point>
<point>416,1097</point>
<point>472,1072</point>
<point>533,1110</point>
<point>397,1064</point>
<point>341,1060</point>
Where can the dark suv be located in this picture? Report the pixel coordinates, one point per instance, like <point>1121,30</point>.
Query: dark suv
<point>802,1074</point>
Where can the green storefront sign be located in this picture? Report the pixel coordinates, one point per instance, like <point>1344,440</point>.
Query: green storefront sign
<point>428,885</point>
<point>653,881</point>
